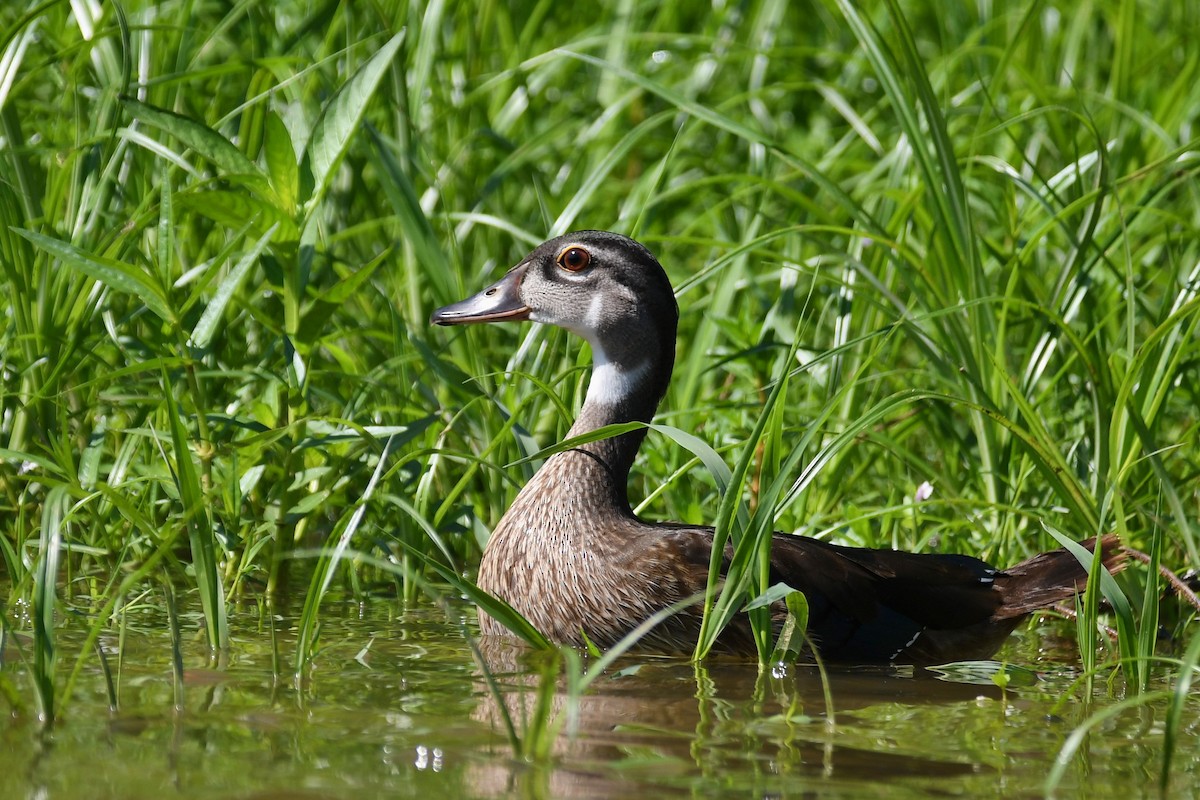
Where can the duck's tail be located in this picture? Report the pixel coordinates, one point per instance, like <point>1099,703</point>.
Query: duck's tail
<point>1052,577</point>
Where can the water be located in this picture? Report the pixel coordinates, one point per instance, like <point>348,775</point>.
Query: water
<point>395,706</point>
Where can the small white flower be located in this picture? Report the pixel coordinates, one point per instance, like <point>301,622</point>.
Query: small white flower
<point>924,492</point>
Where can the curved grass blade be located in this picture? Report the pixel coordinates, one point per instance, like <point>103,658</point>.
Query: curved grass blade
<point>793,635</point>
<point>206,326</point>
<point>330,557</point>
<point>493,606</point>
<point>112,273</point>
<point>431,260</point>
<point>1179,698</point>
<point>1080,734</point>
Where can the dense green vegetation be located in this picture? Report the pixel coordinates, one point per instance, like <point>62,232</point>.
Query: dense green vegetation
<point>968,240</point>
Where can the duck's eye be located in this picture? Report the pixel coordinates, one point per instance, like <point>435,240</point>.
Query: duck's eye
<point>574,259</point>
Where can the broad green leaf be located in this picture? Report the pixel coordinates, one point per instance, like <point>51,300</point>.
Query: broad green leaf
<point>772,595</point>
<point>702,450</point>
<point>341,117</point>
<point>348,286</point>
<point>112,273</point>
<point>282,166</point>
<point>235,209</point>
<point>794,633</point>
<point>332,300</point>
<point>1108,584</point>
<point>199,137</point>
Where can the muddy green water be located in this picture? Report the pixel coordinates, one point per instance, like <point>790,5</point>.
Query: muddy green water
<point>396,707</point>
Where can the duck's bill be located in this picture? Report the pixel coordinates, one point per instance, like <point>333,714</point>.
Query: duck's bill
<point>498,302</point>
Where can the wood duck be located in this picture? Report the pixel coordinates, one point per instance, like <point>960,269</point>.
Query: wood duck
<point>571,556</point>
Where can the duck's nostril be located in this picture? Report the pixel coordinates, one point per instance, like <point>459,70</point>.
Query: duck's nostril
<point>490,292</point>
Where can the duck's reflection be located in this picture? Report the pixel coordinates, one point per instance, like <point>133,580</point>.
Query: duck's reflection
<point>680,726</point>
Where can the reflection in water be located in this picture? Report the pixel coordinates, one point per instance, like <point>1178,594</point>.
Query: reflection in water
<point>683,721</point>
<point>395,705</point>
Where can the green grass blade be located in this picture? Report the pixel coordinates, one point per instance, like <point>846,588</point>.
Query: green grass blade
<point>199,525</point>
<point>793,635</point>
<point>340,119</point>
<point>45,597</point>
<point>1188,667</point>
<point>731,527</point>
<point>432,264</point>
<point>206,326</point>
<point>1079,735</point>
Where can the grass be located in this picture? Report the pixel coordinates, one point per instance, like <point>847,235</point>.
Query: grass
<point>955,247</point>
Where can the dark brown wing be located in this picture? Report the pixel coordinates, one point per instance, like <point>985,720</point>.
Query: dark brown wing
<point>870,605</point>
<point>873,605</point>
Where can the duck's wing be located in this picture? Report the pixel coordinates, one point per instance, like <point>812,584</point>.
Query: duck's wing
<point>876,605</point>
<point>869,605</point>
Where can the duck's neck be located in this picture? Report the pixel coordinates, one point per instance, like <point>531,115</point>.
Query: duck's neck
<point>626,386</point>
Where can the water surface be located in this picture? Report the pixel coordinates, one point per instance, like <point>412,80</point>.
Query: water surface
<point>396,706</point>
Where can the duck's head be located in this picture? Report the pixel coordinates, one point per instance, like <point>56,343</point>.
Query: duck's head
<point>602,286</point>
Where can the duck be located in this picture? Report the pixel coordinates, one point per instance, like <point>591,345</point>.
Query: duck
<point>572,557</point>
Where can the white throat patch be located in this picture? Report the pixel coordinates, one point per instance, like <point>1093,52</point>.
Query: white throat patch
<point>611,384</point>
